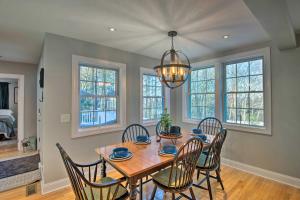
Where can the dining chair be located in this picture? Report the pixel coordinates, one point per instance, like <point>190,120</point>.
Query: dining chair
<point>130,134</point>
<point>158,128</point>
<point>85,183</point>
<point>210,162</point>
<point>210,125</point>
<point>179,176</point>
<point>132,131</point>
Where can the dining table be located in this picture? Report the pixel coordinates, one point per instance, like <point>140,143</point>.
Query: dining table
<point>146,159</point>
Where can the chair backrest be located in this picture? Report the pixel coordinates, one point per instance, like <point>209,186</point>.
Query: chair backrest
<point>210,126</point>
<point>212,160</point>
<point>158,128</point>
<point>184,164</point>
<point>132,131</point>
<point>83,180</point>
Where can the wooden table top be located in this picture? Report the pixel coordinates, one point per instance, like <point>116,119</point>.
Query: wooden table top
<point>145,157</point>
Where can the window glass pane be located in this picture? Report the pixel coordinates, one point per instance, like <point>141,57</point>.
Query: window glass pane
<point>86,73</point>
<point>231,115</point>
<point>256,117</point>
<point>231,100</point>
<point>210,100</point>
<point>201,74</point>
<point>243,100</point>
<point>110,89</point>
<point>243,84</point>
<point>100,75</point>
<point>242,116</point>
<point>87,103</point>
<point>231,85</point>
<point>256,83</point>
<point>87,88</point>
<point>110,76</point>
<point>242,69</point>
<point>257,100</point>
<point>256,67</point>
<point>231,70</point>
<point>194,75</point>
<point>210,73</point>
<point>211,86</point>
<point>100,88</point>
<point>210,111</point>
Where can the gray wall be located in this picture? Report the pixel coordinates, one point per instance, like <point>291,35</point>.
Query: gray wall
<point>279,152</point>
<point>57,59</point>
<point>29,71</point>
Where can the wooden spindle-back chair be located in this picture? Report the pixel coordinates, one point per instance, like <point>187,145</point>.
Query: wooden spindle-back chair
<point>132,131</point>
<point>179,177</point>
<point>210,126</point>
<point>87,185</point>
<point>210,161</point>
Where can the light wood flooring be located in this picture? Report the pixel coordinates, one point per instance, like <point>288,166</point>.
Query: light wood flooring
<point>238,186</point>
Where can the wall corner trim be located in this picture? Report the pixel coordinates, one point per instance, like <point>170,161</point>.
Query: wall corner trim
<point>55,185</point>
<point>282,178</point>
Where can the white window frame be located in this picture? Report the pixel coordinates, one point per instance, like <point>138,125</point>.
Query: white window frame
<point>121,109</point>
<point>150,71</point>
<point>219,64</point>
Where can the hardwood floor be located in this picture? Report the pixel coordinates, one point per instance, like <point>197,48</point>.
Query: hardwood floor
<point>238,186</point>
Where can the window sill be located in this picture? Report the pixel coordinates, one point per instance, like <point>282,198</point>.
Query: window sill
<point>191,121</point>
<point>150,123</point>
<point>258,130</point>
<point>97,130</point>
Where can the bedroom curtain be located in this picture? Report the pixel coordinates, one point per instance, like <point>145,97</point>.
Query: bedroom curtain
<point>4,96</point>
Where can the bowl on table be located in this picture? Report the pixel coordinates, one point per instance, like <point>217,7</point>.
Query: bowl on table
<point>120,152</point>
<point>197,131</point>
<point>169,149</point>
<point>175,130</point>
<point>142,138</point>
<point>201,137</point>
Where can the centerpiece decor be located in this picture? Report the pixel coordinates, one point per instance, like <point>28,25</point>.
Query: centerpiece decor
<point>166,121</point>
<point>174,68</point>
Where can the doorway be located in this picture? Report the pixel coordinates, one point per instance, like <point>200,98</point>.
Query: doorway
<point>11,113</point>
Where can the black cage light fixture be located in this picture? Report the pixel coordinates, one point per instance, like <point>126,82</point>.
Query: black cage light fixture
<point>175,67</point>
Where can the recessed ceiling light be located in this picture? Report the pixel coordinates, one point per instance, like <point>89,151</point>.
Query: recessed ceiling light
<point>225,36</point>
<point>112,29</point>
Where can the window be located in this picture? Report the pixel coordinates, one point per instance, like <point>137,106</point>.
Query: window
<point>98,96</point>
<point>244,92</point>
<point>202,93</point>
<point>235,89</point>
<point>154,97</point>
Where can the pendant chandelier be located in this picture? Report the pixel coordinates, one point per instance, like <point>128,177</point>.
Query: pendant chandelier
<point>174,68</point>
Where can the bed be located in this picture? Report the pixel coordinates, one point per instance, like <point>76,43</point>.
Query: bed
<point>7,123</point>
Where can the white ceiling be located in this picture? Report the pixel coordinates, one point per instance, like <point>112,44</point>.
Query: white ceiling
<point>141,25</point>
<point>294,10</point>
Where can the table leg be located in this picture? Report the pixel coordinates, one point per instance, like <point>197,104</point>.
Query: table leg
<point>132,187</point>
<point>103,168</point>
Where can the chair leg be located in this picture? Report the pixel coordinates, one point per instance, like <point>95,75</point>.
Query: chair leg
<point>208,185</point>
<point>219,179</point>
<point>198,174</point>
<point>192,194</point>
<point>173,196</point>
<point>153,192</point>
<point>141,189</point>
<point>165,195</point>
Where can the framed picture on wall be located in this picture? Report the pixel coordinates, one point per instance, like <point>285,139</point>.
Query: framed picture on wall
<point>15,95</point>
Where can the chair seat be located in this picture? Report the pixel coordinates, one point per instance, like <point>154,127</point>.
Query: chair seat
<point>122,192</point>
<point>201,161</point>
<point>163,177</point>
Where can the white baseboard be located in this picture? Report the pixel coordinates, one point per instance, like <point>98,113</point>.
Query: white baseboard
<point>285,179</point>
<point>55,185</point>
